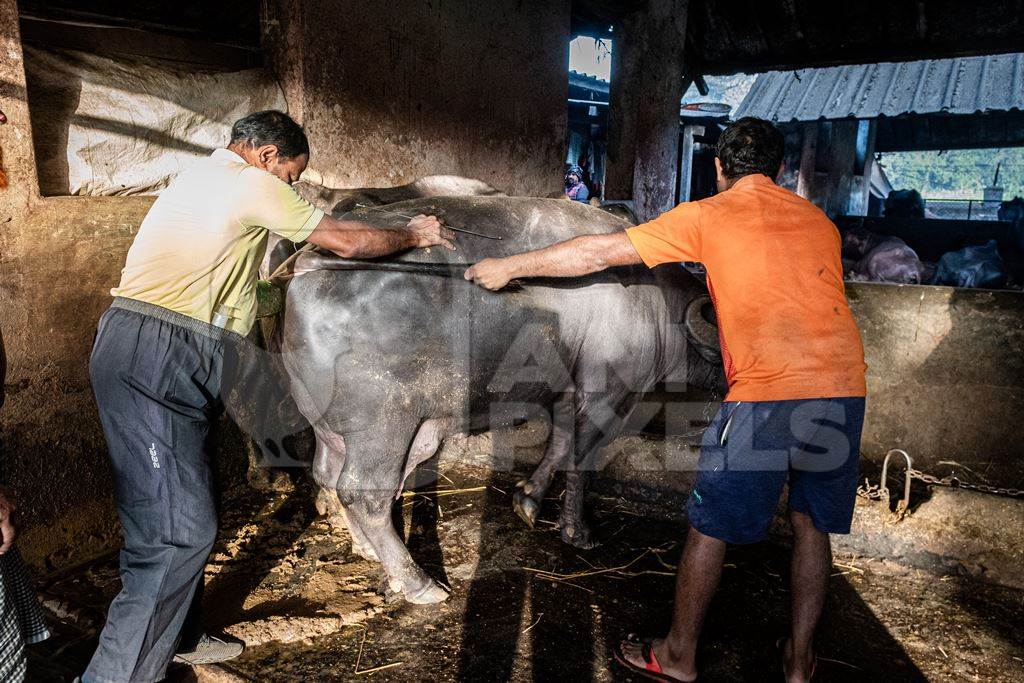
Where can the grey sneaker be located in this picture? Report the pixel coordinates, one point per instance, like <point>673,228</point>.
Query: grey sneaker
<point>211,650</point>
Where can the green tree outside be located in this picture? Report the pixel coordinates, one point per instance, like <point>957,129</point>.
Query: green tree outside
<point>956,174</point>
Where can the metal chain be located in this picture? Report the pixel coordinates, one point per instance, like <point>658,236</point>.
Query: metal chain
<point>870,491</point>
<point>880,491</point>
<point>955,482</point>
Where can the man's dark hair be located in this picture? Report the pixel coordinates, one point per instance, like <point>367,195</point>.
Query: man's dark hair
<point>271,128</point>
<point>751,146</point>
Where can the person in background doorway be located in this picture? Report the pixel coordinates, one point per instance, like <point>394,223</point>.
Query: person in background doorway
<point>575,189</point>
<point>21,619</point>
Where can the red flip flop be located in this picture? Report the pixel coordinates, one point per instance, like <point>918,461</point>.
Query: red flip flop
<point>651,668</point>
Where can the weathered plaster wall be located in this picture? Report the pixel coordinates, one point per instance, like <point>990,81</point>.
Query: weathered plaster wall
<point>391,92</point>
<point>643,119</point>
<point>16,155</point>
<point>945,377</point>
<point>59,261</point>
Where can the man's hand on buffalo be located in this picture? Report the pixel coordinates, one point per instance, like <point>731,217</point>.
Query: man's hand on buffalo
<point>359,240</point>
<point>491,273</point>
<point>579,256</point>
<point>430,231</point>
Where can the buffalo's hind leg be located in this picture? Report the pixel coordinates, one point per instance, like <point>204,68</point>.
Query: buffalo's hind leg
<point>526,501</point>
<point>327,467</point>
<point>369,481</point>
<point>597,424</point>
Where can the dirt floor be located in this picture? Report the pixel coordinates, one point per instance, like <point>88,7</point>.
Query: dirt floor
<point>282,579</point>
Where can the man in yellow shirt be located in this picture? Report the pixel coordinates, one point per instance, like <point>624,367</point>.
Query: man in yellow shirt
<point>163,359</point>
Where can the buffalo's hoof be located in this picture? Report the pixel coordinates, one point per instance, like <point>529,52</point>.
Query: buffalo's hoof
<point>430,594</point>
<point>579,537</point>
<point>384,589</point>
<point>327,503</point>
<point>527,508</point>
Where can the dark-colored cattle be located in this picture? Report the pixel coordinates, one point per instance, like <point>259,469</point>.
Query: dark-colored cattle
<point>879,258</point>
<point>619,209</point>
<point>385,365</point>
<point>904,204</point>
<point>976,267</point>
<point>1013,212</point>
<point>339,201</point>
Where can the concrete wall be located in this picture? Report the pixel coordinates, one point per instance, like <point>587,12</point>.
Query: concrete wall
<point>16,155</point>
<point>945,377</point>
<point>389,92</point>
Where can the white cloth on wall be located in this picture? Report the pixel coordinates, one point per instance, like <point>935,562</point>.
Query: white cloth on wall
<point>125,126</point>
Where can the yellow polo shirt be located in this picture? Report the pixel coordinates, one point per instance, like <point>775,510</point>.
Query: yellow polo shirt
<point>199,248</point>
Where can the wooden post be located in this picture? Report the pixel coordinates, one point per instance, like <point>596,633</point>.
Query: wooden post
<point>842,155</point>
<point>861,193</point>
<point>686,161</point>
<point>622,94</point>
<point>808,161</point>
<point>647,85</point>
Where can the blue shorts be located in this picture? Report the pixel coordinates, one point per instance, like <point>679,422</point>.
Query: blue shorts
<point>752,449</point>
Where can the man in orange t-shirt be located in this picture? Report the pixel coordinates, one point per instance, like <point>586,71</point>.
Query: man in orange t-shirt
<point>795,366</point>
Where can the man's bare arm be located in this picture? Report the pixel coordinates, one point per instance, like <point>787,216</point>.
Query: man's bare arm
<point>572,258</point>
<point>355,239</point>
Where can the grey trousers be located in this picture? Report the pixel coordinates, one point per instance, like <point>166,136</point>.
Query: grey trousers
<point>157,377</point>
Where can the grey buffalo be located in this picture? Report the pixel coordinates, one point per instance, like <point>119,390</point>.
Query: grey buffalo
<point>879,258</point>
<point>339,201</point>
<point>977,266</point>
<point>384,365</point>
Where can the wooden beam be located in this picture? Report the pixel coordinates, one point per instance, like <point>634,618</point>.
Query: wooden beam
<point>132,41</point>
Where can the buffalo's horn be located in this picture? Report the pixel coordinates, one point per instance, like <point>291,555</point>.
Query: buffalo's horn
<point>700,330</point>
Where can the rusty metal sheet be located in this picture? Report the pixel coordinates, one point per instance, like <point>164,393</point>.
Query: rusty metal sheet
<point>954,86</point>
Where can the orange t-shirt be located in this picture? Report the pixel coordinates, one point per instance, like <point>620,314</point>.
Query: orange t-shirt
<point>776,280</point>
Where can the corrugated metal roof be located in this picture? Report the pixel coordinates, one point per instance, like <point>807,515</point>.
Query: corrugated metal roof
<point>587,81</point>
<point>956,86</point>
